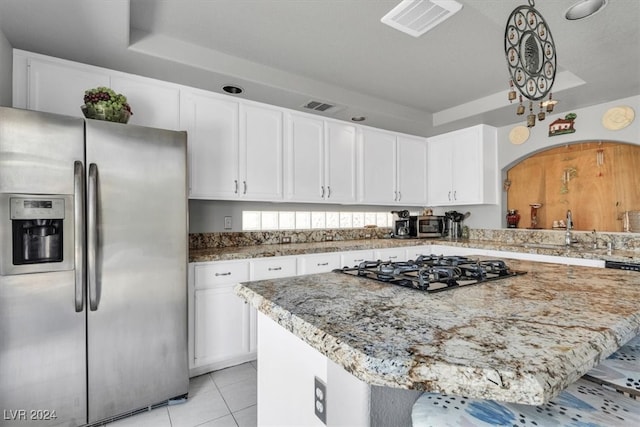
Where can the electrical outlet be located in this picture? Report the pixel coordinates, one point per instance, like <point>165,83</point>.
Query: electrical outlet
<point>320,399</point>
<point>227,223</point>
<point>328,238</point>
<point>286,239</point>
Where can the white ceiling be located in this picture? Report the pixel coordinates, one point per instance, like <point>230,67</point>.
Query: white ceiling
<point>287,52</point>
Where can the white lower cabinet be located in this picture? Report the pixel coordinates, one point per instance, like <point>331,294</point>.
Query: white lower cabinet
<point>221,324</point>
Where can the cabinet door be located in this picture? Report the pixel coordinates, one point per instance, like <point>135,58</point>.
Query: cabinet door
<point>212,125</point>
<point>378,168</point>
<point>59,88</point>
<point>222,322</point>
<point>412,171</point>
<point>260,153</point>
<point>439,170</point>
<point>153,104</point>
<point>304,170</point>
<point>340,162</point>
<point>467,177</point>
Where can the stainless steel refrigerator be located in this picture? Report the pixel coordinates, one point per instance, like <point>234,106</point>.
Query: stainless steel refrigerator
<point>93,257</point>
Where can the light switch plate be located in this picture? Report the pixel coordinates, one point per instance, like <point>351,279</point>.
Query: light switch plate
<point>227,223</point>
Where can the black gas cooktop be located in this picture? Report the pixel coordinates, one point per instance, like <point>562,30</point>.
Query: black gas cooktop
<point>431,273</point>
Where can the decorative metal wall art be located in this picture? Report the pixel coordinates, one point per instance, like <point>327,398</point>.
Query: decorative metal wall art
<point>531,60</point>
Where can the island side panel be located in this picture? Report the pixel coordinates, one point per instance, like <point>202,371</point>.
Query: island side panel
<point>287,367</point>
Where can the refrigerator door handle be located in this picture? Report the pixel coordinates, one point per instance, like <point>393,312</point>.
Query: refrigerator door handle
<point>78,213</point>
<point>92,237</point>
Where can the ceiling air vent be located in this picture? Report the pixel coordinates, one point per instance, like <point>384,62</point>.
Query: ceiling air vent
<point>321,107</point>
<point>416,17</point>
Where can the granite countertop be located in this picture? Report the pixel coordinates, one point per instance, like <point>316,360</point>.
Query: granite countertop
<point>261,251</point>
<point>522,339</point>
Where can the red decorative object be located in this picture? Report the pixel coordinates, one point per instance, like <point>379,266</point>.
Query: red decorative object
<point>512,218</point>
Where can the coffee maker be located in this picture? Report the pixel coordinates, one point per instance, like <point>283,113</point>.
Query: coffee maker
<point>404,224</point>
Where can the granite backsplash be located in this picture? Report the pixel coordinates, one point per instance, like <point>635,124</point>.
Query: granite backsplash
<point>627,241</point>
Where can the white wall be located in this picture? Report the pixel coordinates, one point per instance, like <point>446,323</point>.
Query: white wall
<point>6,71</point>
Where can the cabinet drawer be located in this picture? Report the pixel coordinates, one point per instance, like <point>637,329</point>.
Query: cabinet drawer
<point>352,259</point>
<point>394,255</point>
<point>272,268</point>
<point>222,273</point>
<point>416,251</point>
<point>311,264</point>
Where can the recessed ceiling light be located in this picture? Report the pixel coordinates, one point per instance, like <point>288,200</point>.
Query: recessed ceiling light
<point>584,8</point>
<point>232,89</point>
<point>358,118</point>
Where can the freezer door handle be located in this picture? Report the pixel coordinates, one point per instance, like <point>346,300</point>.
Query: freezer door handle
<point>78,213</point>
<point>92,237</point>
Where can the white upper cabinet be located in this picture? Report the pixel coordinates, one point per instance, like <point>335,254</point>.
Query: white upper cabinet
<point>212,126</point>
<point>393,169</point>
<point>304,164</point>
<point>320,160</point>
<point>235,151</point>
<point>153,103</point>
<point>412,170</point>
<point>58,87</point>
<point>261,130</point>
<point>378,170</point>
<point>340,162</point>
<point>462,167</point>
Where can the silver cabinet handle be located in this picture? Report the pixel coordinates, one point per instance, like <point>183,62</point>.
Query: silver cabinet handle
<point>78,214</point>
<point>358,260</point>
<point>244,183</point>
<point>322,192</point>
<point>92,237</point>
<point>393,257</point>
<point>328,191</point>
<point>322,263</point>
<point>395,196</point>
<point>228,273</point>
<point>449,196</point>
<point>275,268</point>
<point>235,183</point>
<point>455,197</point>
<point>399,195</point>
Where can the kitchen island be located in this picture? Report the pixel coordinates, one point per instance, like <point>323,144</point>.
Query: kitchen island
<point>523,339</point>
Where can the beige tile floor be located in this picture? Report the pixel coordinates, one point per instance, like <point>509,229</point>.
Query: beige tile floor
<point>225,398</point>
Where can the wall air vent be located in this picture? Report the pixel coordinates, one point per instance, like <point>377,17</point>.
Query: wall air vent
<point>416,17</point>
<point>322,107</point>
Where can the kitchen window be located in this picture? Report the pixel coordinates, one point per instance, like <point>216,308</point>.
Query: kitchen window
<point>303,220</point>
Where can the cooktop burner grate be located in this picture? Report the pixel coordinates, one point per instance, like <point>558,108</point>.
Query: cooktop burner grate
<point>431,273</point>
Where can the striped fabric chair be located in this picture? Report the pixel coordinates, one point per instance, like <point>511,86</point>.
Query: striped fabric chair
<point>621,370</point>
<point>583,403</point>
